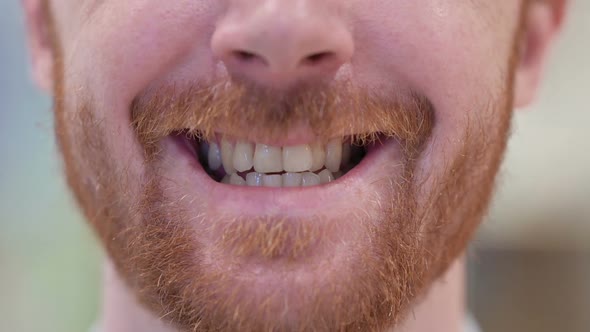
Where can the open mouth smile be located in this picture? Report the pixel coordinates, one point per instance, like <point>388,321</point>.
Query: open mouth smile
<point>243,163</point>
<point>239,178</point>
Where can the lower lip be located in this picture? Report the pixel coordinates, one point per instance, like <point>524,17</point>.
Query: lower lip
<point>254,201</point>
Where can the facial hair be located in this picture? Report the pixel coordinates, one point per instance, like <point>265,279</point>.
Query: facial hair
<point>159,255</point>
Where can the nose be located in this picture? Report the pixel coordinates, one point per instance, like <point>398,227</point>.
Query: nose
<point>278,42</point>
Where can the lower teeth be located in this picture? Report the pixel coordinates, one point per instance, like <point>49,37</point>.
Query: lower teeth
<point>306,179</point>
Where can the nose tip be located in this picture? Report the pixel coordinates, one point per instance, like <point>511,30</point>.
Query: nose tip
<point>278,48</point>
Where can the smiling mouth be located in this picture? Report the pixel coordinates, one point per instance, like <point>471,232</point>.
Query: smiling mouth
<point>243,163</point>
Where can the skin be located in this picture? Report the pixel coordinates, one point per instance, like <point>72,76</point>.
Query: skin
<point>442,76</point>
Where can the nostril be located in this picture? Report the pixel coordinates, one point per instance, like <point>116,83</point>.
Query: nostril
<point>248,57</point>
<point>318,58</point>
<point>244,55</point>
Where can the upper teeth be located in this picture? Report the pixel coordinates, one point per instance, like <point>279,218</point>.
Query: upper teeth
<point>243,158</point>
<point>299,162</point>
<point>268,159</point>
<point>297,158</point>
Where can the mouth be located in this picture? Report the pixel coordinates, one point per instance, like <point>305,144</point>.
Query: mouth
<point>231,187</point>
<point>242,163</point>
<point>227,178</point>
<point>236,162</point>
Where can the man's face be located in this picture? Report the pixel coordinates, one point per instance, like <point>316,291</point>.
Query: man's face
<point>258,164</point>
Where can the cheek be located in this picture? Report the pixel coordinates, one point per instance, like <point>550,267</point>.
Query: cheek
<point>123,46</point>
<point>448,50</point>
<point>458,55</point>
<point>455,53</point>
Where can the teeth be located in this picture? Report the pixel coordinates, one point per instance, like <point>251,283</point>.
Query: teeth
<point>236,180</point>
<point>300,165</point>
<point>326,176</point>
<point>227,156</point>
<point>243,156</point>
<point>254,179</point>
<point>310,179</point>
<point>334,155</point>
<point>268,159</point>
<point>274,180</point>
<point>214,156</point>
<point>319,157</point>
<point>292,179</point>
<point>297,158</point>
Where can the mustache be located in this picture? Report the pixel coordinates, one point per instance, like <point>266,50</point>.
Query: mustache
<point>336,110</point>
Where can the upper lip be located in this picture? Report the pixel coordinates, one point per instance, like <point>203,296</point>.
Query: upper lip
<point>297,136</point>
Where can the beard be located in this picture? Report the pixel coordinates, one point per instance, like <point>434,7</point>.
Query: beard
<point>195,270</point>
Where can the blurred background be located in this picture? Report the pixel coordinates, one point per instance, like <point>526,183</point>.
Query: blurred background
<point>529,267</point>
